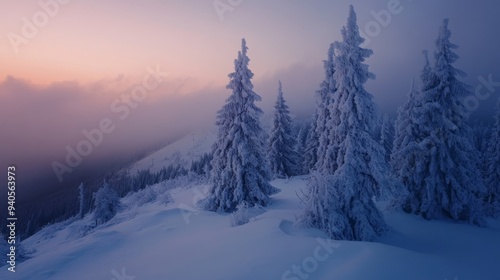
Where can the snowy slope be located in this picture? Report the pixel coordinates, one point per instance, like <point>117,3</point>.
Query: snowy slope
<point>176,241</point>
<point>182,152</point>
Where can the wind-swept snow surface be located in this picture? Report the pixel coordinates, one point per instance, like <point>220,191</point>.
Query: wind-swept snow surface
<point>174,240</point>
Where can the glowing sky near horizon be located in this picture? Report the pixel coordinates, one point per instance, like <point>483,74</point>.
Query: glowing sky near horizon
<point>93,40</point>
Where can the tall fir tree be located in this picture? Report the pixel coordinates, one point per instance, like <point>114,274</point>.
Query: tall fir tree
<point>239,170</point>
<point>387,136</point>
<point>342,204</point>
<point>448,182</point>
<point>281,153</point>
<point>318,138</point>
<point>325,97</point>
<point>492,168</point>
<point>377,128</point>
<point>107,204</point>
<point>406,150</point>
<point>403,127</point>
<point>481,132</point>
<point>81,198</point>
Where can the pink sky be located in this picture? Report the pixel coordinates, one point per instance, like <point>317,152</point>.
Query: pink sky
<point>92,40</point>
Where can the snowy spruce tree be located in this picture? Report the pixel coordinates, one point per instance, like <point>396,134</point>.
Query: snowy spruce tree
<point>107,204</point>
<point>322,207</point>
<point>492,168</point>
<point>404,134</point>
<point>342,204</point>
<point>240,172</point>
<point>319,138</point>
<point>481,132</point>
<point>445,181</point>
<point>326,113</point>
<point>406,151</point>
<point>81,198</point>
<point>387,136</point>
<point>377,128</point>
<point>311,148</point>
<point>281,153</point>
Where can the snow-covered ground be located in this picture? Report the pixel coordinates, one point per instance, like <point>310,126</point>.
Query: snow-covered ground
<point>182,152</point>
<point>159,240</point>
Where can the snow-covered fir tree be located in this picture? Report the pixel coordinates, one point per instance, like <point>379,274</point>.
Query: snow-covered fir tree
<point>322,207</point>
<point>318,139</point>
<point>325,102</point>
<point>481,132</point>
<point>492,168</point>
<point>281,153</point>
<point>402,128</point>
<point>240,172</point>
<point>406,150</point>
<point>81,198</point>
<point>377,128</point>
<point>446,182</point>
<point>202,166</point>
<point>107,204</point>
<point>342,204</point>
<point>387,136</point>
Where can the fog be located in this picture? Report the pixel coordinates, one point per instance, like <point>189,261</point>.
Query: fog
<point>41,122</point>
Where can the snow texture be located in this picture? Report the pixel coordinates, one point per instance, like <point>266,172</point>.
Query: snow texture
<point>244,214</point>
<point>153,241</point>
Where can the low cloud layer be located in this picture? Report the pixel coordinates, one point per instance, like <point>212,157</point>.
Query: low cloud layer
<point>39,124</point>
<point>43,124</point>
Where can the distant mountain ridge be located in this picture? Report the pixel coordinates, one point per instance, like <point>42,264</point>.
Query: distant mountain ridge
<point>182,152</point>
